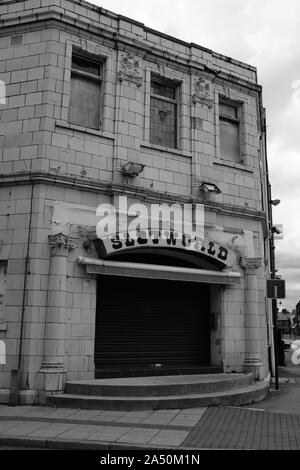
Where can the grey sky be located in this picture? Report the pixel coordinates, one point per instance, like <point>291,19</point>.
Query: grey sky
<point>266,34</point>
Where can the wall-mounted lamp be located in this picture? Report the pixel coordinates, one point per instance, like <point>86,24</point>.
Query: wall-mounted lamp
<point>276,230</point>
<point>132,169</point>
<point>209,188</point>
<point>275,202</point>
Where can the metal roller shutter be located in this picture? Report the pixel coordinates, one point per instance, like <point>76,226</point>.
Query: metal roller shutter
<point>143,322</point>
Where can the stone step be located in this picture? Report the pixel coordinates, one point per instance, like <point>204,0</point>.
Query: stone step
<point>252,393</point>
<point>159,385</point>
<point>142,371</point>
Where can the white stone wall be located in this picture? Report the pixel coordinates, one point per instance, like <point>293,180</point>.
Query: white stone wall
<point>81,166</point>
<point>38,136</point>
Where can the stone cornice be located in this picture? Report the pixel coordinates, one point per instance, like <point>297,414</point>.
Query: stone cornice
<point>88,184</point>
<point>104,12</point>
<point>58,17</point>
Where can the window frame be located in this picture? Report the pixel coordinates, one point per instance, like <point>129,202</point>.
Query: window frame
<point>89,76</point>
<point>176,85</point>
<point>237,121</point>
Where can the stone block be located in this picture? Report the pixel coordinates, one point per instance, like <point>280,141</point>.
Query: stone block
<point>51,381</point>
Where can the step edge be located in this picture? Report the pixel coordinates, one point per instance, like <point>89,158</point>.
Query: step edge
<point>230,377</point>
<point>224,393</point>
<point>114,390</point>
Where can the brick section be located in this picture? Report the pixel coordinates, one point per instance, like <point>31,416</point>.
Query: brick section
<point>238,428</point>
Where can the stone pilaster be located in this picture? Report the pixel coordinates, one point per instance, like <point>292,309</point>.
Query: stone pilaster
<point>52,374</point>
<point>253,362</point>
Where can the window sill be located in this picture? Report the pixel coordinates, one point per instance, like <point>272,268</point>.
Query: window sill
<point>87,130</point>
<point>238,166</point>
<point>180,153</point>
<point>3,326</point>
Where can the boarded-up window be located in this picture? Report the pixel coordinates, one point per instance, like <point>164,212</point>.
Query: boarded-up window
<point>229,132</point>
<point>85,99</point>
<point>163,114</point>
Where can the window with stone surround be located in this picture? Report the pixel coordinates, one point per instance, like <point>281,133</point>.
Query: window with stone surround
<point>85,93</point>
<point>163,112</point>
<point>229,121</point>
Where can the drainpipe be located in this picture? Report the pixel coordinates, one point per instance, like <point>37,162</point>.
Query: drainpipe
<point>272,265</point>
<point>15,381</point>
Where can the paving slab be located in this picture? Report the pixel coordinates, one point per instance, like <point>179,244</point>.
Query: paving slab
<point>158,419</point>
<point>25,429</point>
<point>109,433</point>
<point>5,425</point>
<point>134,416</point>
<point>139,436</point>
<point>169,438</point>
<point>52,430</point>
<point>80,432</point>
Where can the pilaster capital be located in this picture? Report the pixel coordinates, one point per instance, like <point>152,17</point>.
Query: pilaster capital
<point>60,244</point>
<point>251,264</point>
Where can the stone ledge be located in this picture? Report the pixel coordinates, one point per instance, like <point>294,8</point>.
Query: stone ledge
<point>3,326</point>
<point>158,148</point>
<point>87,130</point>
<point>236,166</point>
<point>60,16</point>
<point>89,184</point>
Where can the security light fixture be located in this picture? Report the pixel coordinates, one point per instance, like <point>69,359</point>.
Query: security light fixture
<point>132,169</point>
<point>276,230</point>
<point>275,202</point>
<point>209,188</point>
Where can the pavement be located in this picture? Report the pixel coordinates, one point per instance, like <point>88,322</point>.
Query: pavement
<point>272,424</point>
<point>195,428</point>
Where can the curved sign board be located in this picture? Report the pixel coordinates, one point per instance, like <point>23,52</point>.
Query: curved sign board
<point>174,240</point>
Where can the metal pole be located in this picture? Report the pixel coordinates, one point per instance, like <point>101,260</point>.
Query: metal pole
<point>275,334</point>
<point>16,373</point>
<point>274,307</point>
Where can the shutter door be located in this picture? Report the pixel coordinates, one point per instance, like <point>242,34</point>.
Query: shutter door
<point>141,322</point>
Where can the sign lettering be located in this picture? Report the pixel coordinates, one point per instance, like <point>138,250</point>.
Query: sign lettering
<point>168,239</point>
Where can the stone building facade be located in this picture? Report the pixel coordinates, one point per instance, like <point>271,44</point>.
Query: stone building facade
<point>87,94</point>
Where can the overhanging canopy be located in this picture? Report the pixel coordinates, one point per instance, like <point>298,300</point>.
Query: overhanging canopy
<point>153,271</point>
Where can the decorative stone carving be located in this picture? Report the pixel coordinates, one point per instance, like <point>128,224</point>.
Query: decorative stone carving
<point>203,92</point>
<point>60,244</point>
<point>130,70</point>
<point>251,264</point>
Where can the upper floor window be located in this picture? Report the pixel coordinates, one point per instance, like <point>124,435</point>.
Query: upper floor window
<point>163,113</point>
<point>229,120</point>
<point>85,97</point>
